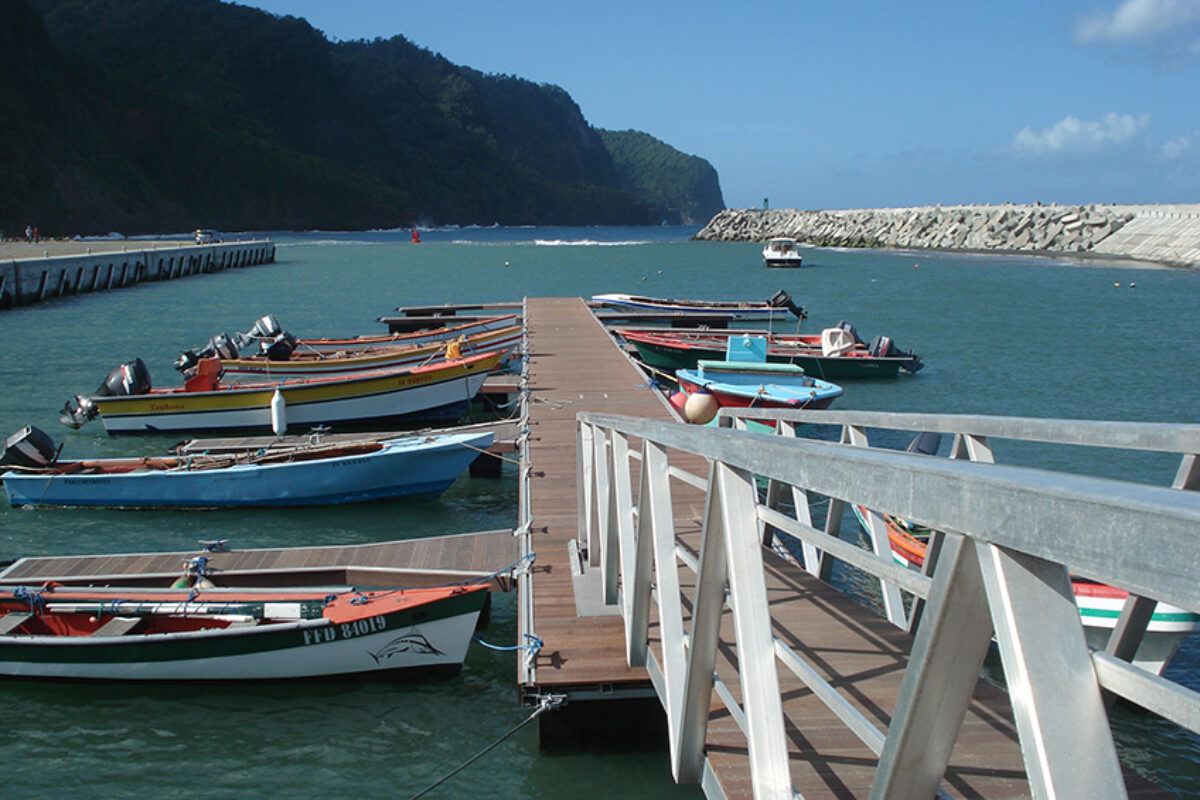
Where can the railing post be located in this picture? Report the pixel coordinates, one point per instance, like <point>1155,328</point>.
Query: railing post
<point>621,521</point>
<point>943,668</point>
<point>600,471</point>
<point>729,551</point>
<point>585,485</point>
<point>1066,741</point>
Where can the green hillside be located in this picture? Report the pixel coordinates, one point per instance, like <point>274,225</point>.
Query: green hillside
<point>158,115</point>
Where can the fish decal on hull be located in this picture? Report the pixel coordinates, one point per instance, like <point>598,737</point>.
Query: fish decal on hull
<point>412,642</point>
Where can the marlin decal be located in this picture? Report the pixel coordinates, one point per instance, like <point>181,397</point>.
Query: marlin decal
<point>413,641</point>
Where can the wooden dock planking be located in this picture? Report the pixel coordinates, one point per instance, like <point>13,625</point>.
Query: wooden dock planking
<point>423,562</point>
<point>573,366</point>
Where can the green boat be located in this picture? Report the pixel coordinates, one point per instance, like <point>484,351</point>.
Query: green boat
<point>828,356</point>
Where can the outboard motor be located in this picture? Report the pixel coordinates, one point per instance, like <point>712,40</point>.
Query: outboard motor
<point>220,346</point>
<point>131,378</point>
<point>782,299</point>
<point>848,328</point>
<point>280,348</point>
<point>266,327</point>
<point>925,443</point>
<point>29,447</point>
<point>882,347</point>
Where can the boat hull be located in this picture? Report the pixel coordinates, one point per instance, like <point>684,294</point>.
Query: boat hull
<point>1099,606</point>
<point>442,335</point>
<point>429,637</point>
<point>747,388</point>
<point>435,394</point>
<point>410,467</point>
<point>504,340</point>
<point>738,310</point>
<point>663,354</point>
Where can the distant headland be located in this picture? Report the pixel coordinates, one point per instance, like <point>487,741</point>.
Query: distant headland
<point>1161,234</point>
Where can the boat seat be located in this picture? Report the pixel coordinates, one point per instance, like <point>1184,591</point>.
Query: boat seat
<point>117,626</point>
<point>836,342</point>
<point>13,620</point>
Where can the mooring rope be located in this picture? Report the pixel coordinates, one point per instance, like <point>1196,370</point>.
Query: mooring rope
<point>548,703</point>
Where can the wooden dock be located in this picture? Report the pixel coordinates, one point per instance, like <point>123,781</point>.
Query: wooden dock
<point>573,366</point>
<point>415,562</point>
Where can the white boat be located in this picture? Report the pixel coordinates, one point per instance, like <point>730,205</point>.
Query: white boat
<point>781,252</point>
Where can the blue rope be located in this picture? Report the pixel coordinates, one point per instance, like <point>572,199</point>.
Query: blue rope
<point>37,603</point>
<point>534,644</point>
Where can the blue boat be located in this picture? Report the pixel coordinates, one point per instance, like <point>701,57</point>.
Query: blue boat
<point>742,384</point>
<point>310,475</point>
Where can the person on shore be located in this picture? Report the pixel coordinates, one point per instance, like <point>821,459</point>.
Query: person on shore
<point>36,236</point>
<point>29,233</point>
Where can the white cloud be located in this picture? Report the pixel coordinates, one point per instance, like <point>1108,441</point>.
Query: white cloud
<point>1168,31</point>
<point>1177,148</point>
<point>1078,137</point>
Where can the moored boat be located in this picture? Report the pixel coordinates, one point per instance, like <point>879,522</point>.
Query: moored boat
<point>205,633</point>
<point>1099,604</point>
<point>781,252</point>
<point>314,474</point>
<point>742,384</point>
<point>126,402</point>
<point>819,355</point>
<point>778,307</point>
<point>301,362</point>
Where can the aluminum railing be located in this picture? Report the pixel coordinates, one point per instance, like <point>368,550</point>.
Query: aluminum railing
<point>1008,536</point>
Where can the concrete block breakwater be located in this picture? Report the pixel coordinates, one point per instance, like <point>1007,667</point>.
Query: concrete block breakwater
<point>31,280</point>
<point>1163,234</point>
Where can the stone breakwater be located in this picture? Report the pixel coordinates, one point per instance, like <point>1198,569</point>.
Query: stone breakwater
<point>1164,234</point>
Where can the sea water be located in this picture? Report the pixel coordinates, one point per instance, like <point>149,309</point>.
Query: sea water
<point>999,335</point>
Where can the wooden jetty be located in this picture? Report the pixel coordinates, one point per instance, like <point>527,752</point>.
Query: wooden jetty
<point>574,367</point>
<point>26,281</point>
<point>420,562</point>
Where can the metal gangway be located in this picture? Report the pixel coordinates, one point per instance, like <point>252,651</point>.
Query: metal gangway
<point>1007,541</point>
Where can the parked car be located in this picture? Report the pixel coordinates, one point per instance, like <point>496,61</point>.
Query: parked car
<point>206,236</point>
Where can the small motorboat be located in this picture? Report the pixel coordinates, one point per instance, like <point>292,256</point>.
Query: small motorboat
<point>781,252</point>
<point>127,403</point>
<point>778,307</point>
<point>834,354</point>
<point>308,475</point>
<point>200,632</point>
<point>289,358</point>
<point>267,329</point>
<point>744,384</point>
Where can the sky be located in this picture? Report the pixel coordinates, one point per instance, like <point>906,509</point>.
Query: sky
<point>825,104</point>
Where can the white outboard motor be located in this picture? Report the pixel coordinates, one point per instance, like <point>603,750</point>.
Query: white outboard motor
<point>29,447</point>
<point>266,327</point>
<point>220,346</point>
<point>131,378</point>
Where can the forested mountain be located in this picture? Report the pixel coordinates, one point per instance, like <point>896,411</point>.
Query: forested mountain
<point>665,177</point>
<point>155,115</point>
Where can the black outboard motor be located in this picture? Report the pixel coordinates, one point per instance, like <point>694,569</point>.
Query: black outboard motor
<point>29,447</point>
<point>925,443</point>
<point>882,347</point>
<point>848,328</point>
<point>220,346</point>
<point>131,378</point>
<point>280,348</point>
<point>782,299</point>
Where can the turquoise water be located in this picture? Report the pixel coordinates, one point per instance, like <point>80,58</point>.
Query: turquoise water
<point>999,335</point>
